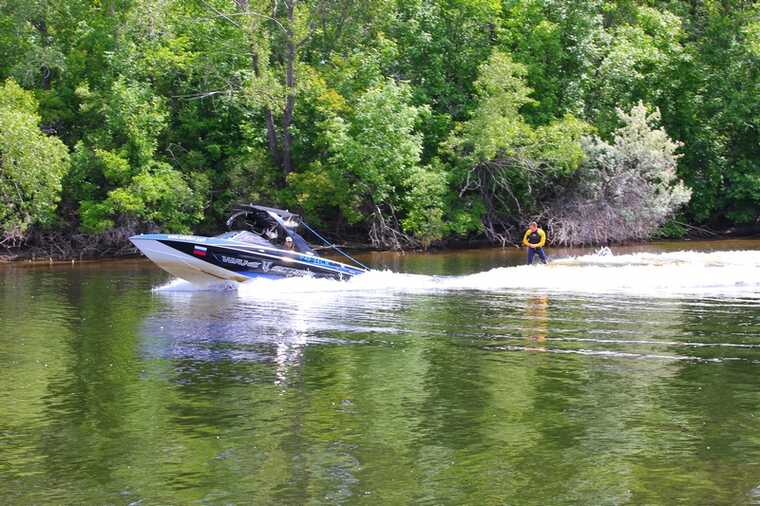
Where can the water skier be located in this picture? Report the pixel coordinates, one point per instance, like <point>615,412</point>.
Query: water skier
<point>534,239</point>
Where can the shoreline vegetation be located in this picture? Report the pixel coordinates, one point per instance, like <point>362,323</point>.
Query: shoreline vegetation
<point>395,124</point>
<point>116,248</point>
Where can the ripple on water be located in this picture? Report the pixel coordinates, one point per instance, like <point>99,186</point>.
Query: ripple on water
<point>608,380</point>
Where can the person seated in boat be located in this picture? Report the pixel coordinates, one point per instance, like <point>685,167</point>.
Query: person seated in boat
<point>289,243</point>
<point>534,239</point>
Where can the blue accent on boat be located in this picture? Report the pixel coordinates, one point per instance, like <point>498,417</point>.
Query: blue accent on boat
<point>254,275</point>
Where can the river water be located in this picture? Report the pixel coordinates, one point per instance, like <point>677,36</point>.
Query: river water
<point>454,378</point>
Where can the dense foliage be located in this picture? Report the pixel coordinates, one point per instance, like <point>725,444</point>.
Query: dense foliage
<point>402,122</point>
<point>31,166</point>
<point>622,190</point>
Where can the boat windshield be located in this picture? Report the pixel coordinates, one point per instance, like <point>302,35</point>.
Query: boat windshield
<point>244,236</point>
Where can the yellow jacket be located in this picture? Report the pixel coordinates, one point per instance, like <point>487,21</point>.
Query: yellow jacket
<point>541,236</point>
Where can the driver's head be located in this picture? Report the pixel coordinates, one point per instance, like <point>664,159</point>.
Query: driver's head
<point>288,242</point>
<point>533,226</point>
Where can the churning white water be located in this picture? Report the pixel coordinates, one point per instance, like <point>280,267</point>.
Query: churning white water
<point>723,273</point>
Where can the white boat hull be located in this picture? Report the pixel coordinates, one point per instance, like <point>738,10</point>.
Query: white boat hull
<point>191,269</point>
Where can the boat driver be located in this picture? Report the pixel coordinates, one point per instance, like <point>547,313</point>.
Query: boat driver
<point>289,243</point>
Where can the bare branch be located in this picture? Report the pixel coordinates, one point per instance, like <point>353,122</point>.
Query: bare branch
<point>203,94</point>
<point>221,14</point>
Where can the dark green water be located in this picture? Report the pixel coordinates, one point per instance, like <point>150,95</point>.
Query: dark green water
<point>632,379</point>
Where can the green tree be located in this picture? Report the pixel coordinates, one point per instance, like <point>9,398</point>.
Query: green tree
<point>509,164</point>
<point>119,178</point>
<point>373,172</point>
<point>440,45</point>
<point>639,61</point>
<point>31,166</point>
<point>720,124</point>
<point>560,42</point>
<point>176,109</point>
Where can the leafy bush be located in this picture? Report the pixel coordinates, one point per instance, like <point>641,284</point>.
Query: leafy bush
<point>373,172</point>
<point>504,160</point>
<point>120,179</point>
<point>32,165</point>
<point>625,189</point>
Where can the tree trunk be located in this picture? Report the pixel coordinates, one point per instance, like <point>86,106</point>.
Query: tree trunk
<point>274,150</point>
<point>45,71</point>
<point>280,144</point>
<point>290,101</point>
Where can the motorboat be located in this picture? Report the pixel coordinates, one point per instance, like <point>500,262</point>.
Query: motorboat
<point>263,242</point>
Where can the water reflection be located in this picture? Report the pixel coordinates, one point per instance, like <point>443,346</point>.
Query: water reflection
<point>393,390</point>
<point>537,317</point>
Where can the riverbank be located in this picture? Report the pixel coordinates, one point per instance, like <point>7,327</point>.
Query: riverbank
<point>67,247</point>
<point>77,249</point>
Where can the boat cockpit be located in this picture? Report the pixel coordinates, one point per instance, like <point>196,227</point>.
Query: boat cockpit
<point>244,236</point>
<point>300,245</point>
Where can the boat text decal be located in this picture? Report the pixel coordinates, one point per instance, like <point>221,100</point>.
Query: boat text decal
<point>242,262</point>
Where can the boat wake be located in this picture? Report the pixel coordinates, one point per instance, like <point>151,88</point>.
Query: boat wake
<point>684,273</point>
<point>180,285</point>
<point>679,306</point>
